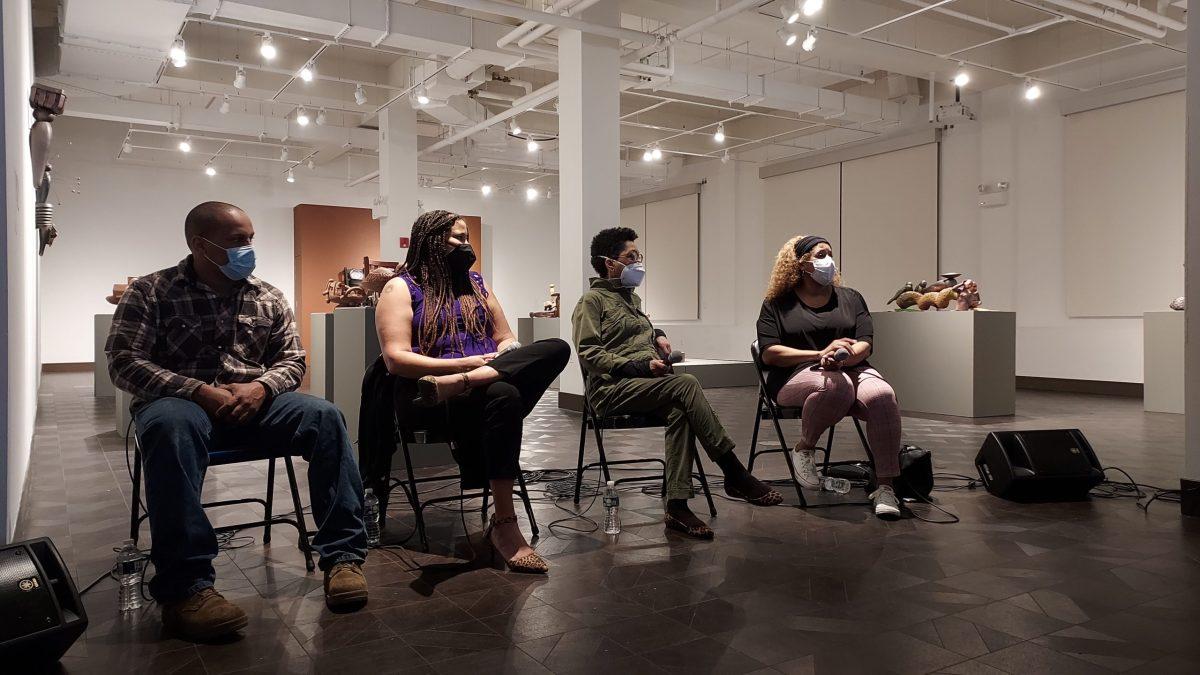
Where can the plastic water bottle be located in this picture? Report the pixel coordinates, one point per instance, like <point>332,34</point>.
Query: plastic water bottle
<point>612,509</point>
<point>838,485</point>
<point>130,563</point>
<point>371,517</point>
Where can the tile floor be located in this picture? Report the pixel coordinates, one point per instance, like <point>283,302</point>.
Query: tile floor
<point>1092,587</point>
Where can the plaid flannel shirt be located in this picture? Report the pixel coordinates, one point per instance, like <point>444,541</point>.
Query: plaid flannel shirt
<point>171,333</point>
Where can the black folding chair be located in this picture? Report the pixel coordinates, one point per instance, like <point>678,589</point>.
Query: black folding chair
<point>599,423</point>
<point>767,408</point>
<point>236,455</point>
<point>407,433</point>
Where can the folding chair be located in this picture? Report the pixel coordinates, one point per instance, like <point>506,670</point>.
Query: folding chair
<point>236,455</point>
<point>599,423</point>
<point>407,433</point>
<point>767,408</point>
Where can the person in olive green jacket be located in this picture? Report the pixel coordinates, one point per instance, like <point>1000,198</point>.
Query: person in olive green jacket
<point>628,372</point>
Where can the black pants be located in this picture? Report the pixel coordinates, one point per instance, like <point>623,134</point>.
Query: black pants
<point>486,424</point>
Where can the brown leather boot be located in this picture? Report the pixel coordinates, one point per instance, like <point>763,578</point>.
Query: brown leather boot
<point>204,616</point>
<point>345,585</point>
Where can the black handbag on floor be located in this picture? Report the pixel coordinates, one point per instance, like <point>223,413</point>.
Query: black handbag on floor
<point>916,473</point>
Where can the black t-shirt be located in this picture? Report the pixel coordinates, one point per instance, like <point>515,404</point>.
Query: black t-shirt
<point>789,322</point>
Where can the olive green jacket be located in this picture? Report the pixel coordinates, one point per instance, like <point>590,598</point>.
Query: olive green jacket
<point>611,330</point>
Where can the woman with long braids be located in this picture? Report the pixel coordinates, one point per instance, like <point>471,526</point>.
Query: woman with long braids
<point>441,325</point>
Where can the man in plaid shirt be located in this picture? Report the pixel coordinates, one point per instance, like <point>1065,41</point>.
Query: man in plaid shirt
<point>212,357</point>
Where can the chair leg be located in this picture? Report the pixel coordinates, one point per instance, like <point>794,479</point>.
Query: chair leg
<point>600,449</point>
<point>862,437</point>
<point>787,456</point>
<point>754,433</point>
<point>524,494</point>
<point>135,516</point>
<point>712,507</point>
<point>305,547</point>
<point>828,448</point>
<point>487,492</point>
<point>583,427</point>
<point>414,497</point>
<point>270,501</point>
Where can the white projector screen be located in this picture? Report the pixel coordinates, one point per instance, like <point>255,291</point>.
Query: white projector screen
<point>889,222</point>
<point>1123,198</point>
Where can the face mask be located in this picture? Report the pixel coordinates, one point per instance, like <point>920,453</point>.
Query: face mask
<point>241,261</point>
<point>633,275</point>
<point>824,270</point>
<point>461,258</point>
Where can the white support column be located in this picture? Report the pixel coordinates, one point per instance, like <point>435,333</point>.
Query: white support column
<point>589,160</point>
<point>396,206</point>
<point>1191,264</point>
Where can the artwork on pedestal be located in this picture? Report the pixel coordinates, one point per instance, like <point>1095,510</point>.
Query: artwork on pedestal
<point>549,307</point>
<point>937,295</point>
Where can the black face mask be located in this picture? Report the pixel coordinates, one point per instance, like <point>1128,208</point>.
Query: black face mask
<point>461,259</point>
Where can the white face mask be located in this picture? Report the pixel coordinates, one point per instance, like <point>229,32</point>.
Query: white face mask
<point>824,270</point>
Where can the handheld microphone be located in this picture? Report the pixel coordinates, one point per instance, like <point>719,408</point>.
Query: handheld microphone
<point>676,357</point>
<point>841,354</point>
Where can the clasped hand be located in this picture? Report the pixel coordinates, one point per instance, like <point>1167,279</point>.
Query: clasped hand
<point>826,357</point>
<point>234,404</point>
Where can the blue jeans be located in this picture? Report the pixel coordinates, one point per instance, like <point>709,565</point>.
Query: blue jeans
<point>176,436</point>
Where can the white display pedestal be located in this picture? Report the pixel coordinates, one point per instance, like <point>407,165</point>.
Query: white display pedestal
<point>121,401</point>
<point>530,329</point>
<point>949,363</point>
<point>353,347</point>
<point>1162,349</point>
<point>102,383</point>
<point>320,340</point>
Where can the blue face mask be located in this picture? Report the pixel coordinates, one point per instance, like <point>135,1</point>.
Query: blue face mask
<point>632,275</point>
<point>241,261</point>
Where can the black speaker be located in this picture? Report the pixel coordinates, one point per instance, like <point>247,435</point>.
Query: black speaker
<point>1038,466</point>
<point>41,614</point>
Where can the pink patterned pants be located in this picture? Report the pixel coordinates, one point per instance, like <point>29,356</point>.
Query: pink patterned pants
<point>827,396</point>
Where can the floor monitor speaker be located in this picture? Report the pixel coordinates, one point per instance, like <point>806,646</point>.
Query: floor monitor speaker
<point>41,614</point>
<point>1038,466</point>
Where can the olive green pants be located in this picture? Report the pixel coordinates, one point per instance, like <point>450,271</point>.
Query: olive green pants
<point>680,400</point>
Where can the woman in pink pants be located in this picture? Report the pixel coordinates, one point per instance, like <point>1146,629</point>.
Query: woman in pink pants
<point>815,336</point>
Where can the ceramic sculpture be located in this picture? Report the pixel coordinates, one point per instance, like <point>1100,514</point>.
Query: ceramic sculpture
<point>339,294</point>
<point>968,295</point>
<point>549,307</point>
<point>937,295</point>
<point>1178,304</point>
<point>119,290</point>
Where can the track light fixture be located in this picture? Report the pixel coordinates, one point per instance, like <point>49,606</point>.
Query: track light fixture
<point>283,155</point>
<point>485,189</point>
<point>549,194</point>
<point>531,193</point>
<point>186,144</point>
<point>720,135</point>
<point>648,155</point>
<point>420,95</point>
<point>811,7</point>
<point>224,109</point>
<point>1032,91</point>
<point>178,53</point>
<point>306,73</point>
<point>302,116</point>
<point>790,11</point>
<point>360,95</point>
<point>127,147</point>
<point>291,176</point>
<point>210,170</point>
<point>789,38</point>
<point>962,77</point>
<point>532,145</point>
<point>321,117</point>
<point>810,40</point>
<point>311,164</point>
<point>656,153</point>
<point>266,47</point>
<point>725,157</point>
<point>239,78</point>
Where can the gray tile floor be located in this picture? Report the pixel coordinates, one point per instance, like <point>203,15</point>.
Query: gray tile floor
<point>1058,588</point>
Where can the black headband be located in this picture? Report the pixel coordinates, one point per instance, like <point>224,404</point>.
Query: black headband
<point>809,243</point>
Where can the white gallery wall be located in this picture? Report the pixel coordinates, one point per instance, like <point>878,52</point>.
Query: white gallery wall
<point>20,366</point>
<point>118,218</point>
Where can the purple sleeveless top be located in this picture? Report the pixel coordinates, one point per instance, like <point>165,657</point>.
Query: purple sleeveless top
<point>458,342</point>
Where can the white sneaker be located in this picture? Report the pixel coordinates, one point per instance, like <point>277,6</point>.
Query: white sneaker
<point>806,469</point>
<point>885,502</point>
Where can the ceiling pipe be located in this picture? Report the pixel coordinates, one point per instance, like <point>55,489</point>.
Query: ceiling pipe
<point>545,29</point>
<point>963,17</point>
<point>902,17</point>
<point>1111,16</point>
<point>521,105</point>
<point>519,12</point>
<point>1132,8</point>
<point>688,31</point>
<point>786,64</point>
<point>524,28</point>
<point>1032,28</point>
